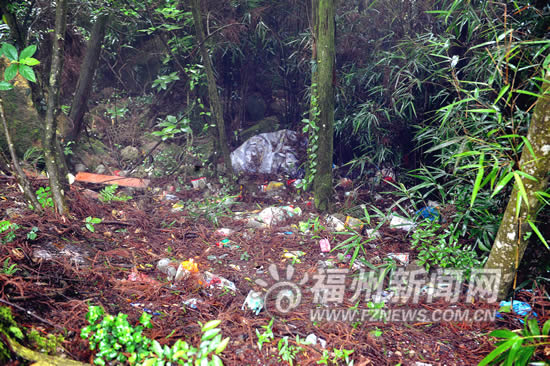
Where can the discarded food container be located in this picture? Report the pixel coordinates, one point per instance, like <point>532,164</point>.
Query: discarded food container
<point>430,213</point>
<point>402,258</point>
<point>199,183</point>
<point>334,223</point>
<point>218,282</point>
<point>325,245</point>
<point>254,301</point>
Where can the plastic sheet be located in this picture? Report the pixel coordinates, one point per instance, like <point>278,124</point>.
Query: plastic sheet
<point>268,153</point>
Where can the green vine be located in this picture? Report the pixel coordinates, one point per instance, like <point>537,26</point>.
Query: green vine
<point>312,129</point>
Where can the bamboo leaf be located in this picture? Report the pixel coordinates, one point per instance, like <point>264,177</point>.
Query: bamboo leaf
<point>539,234</point>
<point>502,183</point>
<point>479,177</point>
<point>521,188</point>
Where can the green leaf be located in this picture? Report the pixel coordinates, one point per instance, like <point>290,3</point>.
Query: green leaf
<point>10,51</point>
<point>11,72</point>
<point>221,347</point>
<point>27,73</point>
<point>497,351</point>
<point>210,333</point>
<point>28,52</point>
<point>521,188</point>
<point>210,325</point>
<point>503,333</point>
<point>539,234</point>
<point>502,183</point>
<point>479,177</point>
<point>4,85</point>
<point>533,326</point>
<point>30,61</point>
<point>546,328</point>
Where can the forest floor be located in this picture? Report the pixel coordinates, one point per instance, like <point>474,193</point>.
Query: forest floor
<point>116,267</point>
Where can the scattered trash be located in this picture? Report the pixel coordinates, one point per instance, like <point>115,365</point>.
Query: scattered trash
<point>402,258</point>
<point>294,255</point>
<point>518,307</point>
<point>334,223</point>
<point>177,207</point>
<point>401,223</point>
<point>325,245</point>
<point>199,183</point>
<point>382,297</point>
<point>168,267</point>
<point>236,267</point>
<point>312,339</point>
<point>418,363</point>
<point>430,213</point>
<point>224,232</point>
<point>272,186</point>
<point>254,301</point>
<point>345,183</point>
<point>372,233</point>
<point>274,215</point>
<point>224,242</point>
<point>294,182</point>
<point>218,282</point>
<point>354,223</point>
<point>192,303</point>
<point>147,310</point>
<point>168,197</point>
<point>268,153</point>
<point>185,269</point>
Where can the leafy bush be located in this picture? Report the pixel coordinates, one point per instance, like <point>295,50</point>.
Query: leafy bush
<point>118,342</point>
<point>10,228</point>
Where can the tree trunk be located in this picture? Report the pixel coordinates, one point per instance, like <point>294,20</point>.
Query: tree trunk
<point>514,230</point>
<point>24,183</point>
<point>50,125</point>
<point>322,184</point>
<point>86,77</point>
<point>215,103</point>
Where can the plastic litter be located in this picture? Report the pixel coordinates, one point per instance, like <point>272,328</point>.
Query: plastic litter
<point>274,215</point>
<point>269,153</point>
<point>312,339</point>
<point>518,307</point>
<point>354,223</point>
<point>224,232</point>
<point>401,223</point>
<point>218,282</point>
<point>185,269</point>
<point>199,183</point>
<point>294,255</point>
<point>325,245</point>
<point>168,267</point>
<point>272,186</point>
<point>430,213</point>
<point>254,301</point>
<point>192,303</point>
<point>334,223</point>
<point>402,258</point>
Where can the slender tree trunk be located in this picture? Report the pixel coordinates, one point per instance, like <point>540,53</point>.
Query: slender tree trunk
<point>322,184</point>
<point>86,77</point>
<point>514,230</point>
<point>215,103</point>
<point>50,126</point>
<point>21,177</point>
